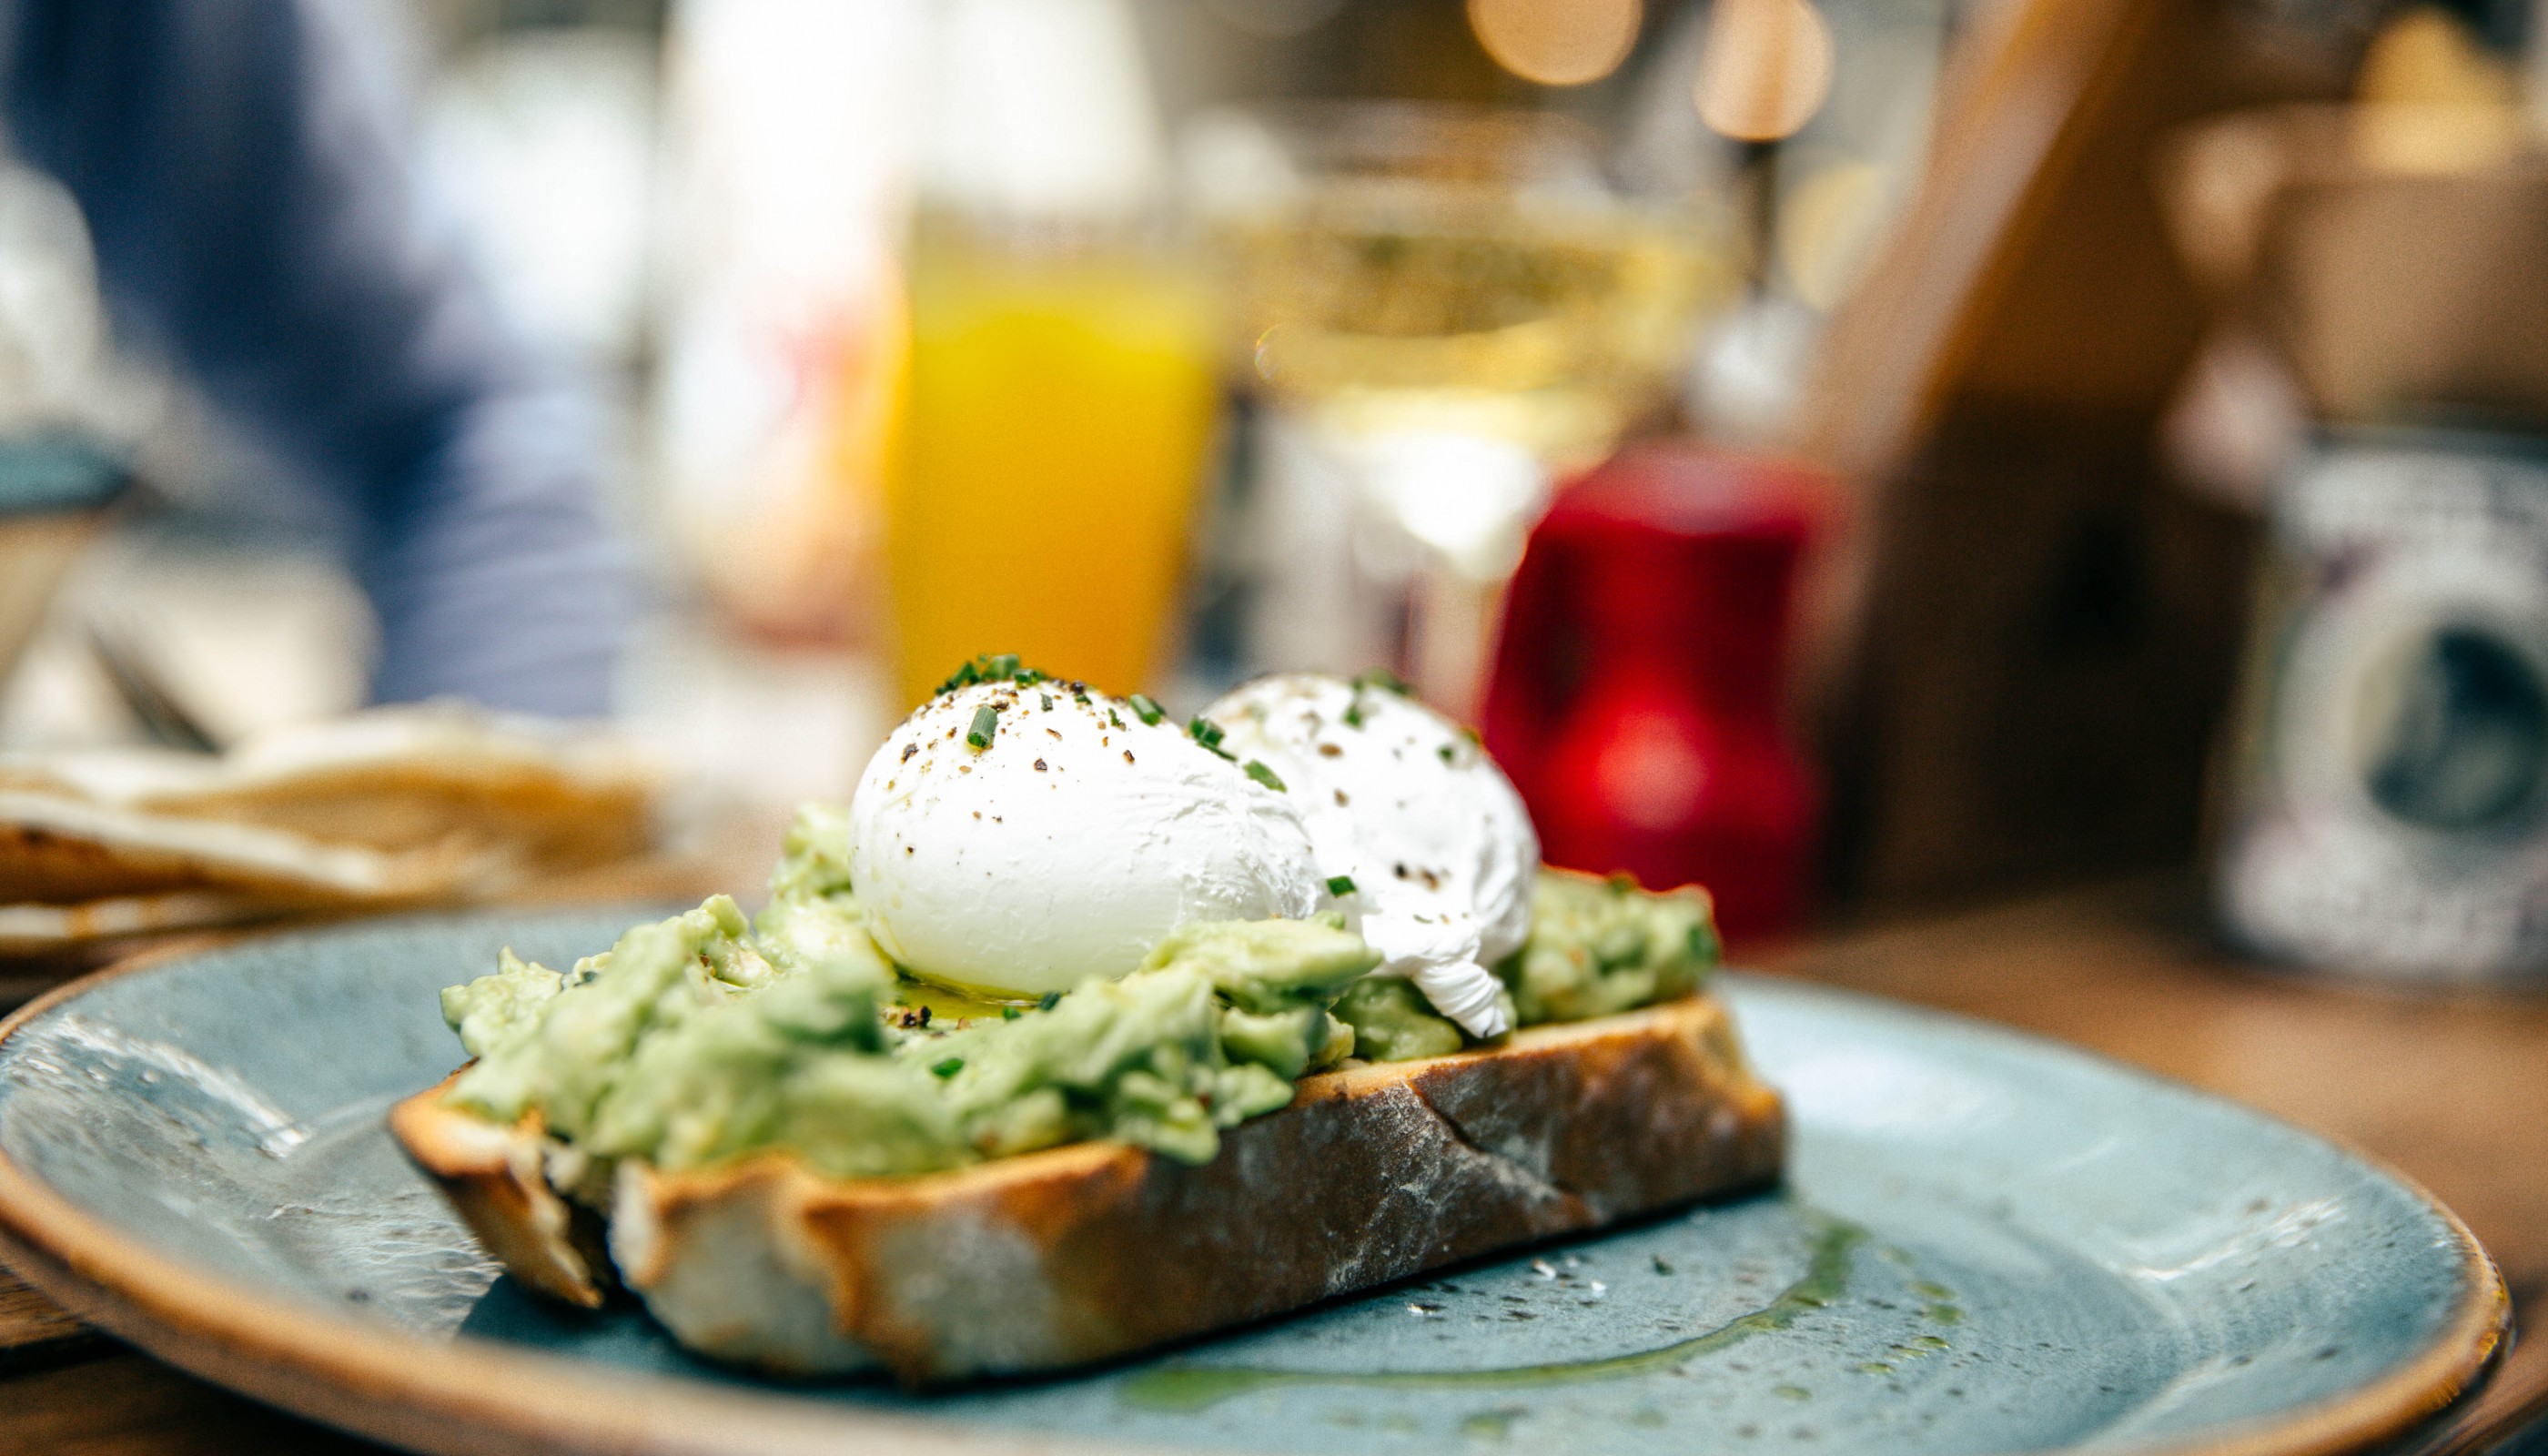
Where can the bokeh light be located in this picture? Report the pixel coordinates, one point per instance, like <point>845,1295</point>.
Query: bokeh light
<point>1557,42</point>
<point>1766,71</point>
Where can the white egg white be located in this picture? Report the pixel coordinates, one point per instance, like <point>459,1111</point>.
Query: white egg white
<point>1069,847</point>
<point>1401,800</point>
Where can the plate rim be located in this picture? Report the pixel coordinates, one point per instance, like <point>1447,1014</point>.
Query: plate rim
<point>450,1396</point>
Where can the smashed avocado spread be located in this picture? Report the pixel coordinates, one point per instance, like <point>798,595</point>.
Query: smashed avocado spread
<point>1596,946</point>
<point>708,1036</point>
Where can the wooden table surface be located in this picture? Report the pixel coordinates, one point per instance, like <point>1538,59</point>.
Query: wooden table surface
<point>2452,1092</point>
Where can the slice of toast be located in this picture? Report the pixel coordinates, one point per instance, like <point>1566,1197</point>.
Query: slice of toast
<point>1077,1253</point>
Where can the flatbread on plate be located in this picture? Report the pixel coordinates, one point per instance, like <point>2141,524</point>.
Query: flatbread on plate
<point>391,807</point>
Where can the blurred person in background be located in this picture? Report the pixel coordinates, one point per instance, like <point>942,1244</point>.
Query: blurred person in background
<point>258,215</point>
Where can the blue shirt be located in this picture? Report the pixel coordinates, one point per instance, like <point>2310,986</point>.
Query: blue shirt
<point>255,206</point>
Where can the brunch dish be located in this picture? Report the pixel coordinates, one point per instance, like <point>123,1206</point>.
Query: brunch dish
<point>1079,1031</point>
<point>1163,1110</point>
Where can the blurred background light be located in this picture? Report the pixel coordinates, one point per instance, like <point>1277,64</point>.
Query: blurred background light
<point>2434,100</point>
<point>1557,42</point>
<point>1766,69</point>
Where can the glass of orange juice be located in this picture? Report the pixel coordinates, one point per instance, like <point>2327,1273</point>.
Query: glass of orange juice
<point>1058,412</point>
<point>1063,363</point>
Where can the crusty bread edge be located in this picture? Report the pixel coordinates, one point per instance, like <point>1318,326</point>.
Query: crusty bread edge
<point>495,1177</point>
<point>1087,1251</point>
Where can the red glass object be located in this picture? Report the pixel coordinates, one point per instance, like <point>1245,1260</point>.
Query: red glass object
<point>1637,692</point>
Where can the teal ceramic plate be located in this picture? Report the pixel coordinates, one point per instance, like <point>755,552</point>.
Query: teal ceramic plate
<point>1986,1244</point>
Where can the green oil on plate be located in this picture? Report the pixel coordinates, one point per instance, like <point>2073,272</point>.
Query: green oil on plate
<point>1986,1244</point>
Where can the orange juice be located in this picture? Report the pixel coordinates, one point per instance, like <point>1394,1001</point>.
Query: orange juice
<point>1057,412</point>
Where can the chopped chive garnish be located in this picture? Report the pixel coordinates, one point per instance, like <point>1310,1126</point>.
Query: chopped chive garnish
<point>1145,711</point>
<point>1049,1000</point>
<point>1705,947</point>
<point>986,721</point>
<point>1113,721</point>
<point>1008,1013</point>
<point>1257,771</point>
<point>1340,885</point>
<point>1384,679</point>
<point>1445,752</point>
<point>949,1067</point>
<point>1353,713</point>
<point>992,667</point>
<point>1205,731</point>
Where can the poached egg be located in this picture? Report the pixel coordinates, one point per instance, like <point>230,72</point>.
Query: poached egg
<point>1064,841</point>
<point>1403,803</point>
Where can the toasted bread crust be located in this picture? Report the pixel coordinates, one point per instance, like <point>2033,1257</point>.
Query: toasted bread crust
<point>494,1177</point>
<point>1082,1252</point>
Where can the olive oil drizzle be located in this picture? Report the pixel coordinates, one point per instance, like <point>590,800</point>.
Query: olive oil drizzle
<point>1187,1388</point>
